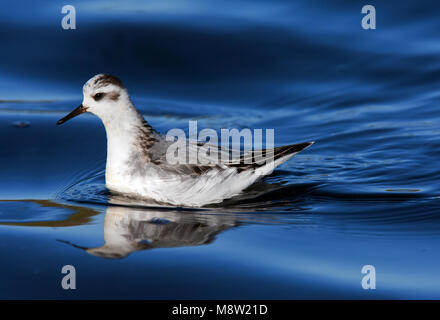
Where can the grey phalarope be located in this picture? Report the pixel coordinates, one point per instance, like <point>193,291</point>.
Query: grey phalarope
<point>136,154</point>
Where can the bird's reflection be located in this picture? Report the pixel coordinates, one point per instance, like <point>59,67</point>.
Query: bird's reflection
<point>133,224</point>
<point>132,229</point>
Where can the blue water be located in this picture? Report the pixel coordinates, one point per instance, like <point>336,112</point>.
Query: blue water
<point>366,193</point>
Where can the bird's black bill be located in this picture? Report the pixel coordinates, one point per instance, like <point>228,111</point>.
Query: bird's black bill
<point>73,114</point>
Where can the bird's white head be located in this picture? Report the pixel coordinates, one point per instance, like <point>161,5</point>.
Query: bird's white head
<point>105,96</point>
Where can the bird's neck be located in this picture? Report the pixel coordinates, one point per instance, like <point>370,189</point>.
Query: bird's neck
<point>126,133</point>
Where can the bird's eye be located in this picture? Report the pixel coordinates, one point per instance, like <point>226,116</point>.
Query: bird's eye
<point>98,96</point>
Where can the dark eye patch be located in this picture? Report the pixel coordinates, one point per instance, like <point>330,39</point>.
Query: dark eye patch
<point>99,96</point>
<point>113,96</point>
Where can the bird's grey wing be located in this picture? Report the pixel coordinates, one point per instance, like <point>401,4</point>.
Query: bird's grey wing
<point>212,157</point>
<point>201,164</point>
<point>257,158</point>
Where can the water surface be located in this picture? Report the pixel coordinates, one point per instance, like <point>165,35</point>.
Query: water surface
<point>366,193</point>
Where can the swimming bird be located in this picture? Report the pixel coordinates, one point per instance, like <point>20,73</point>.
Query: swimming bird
<point>137,162</point>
